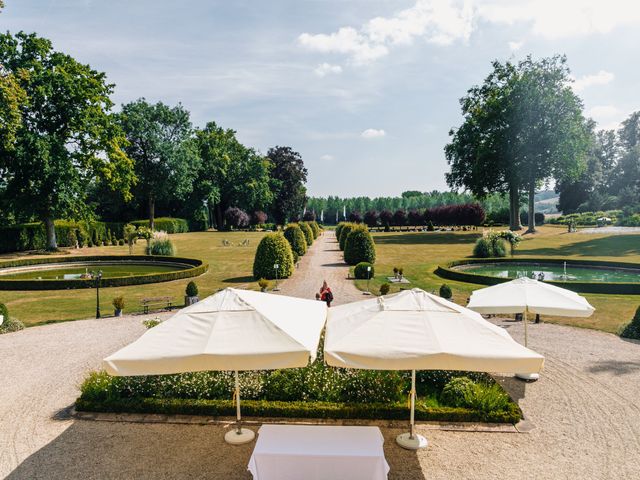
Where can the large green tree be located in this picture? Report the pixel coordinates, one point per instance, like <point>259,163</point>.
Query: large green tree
<point>66,136</point>
<point>160,141</point>
<point>288,179</point>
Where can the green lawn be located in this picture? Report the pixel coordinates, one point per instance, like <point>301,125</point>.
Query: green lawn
<point>420,253</point>
<point>228,267</point>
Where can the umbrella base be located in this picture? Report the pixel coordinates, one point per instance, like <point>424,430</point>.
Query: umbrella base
<point>528,377</point>
<point>415,443</point>
<point>235,438</point>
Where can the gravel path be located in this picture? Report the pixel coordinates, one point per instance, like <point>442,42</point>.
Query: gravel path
<point>585,407</point>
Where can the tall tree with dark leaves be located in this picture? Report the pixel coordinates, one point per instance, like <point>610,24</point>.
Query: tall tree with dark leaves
<point>66,136</point>
<point>161,144</point>
<point>289,176</point>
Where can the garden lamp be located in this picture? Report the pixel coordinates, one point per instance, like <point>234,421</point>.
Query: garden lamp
<point>275,267</point>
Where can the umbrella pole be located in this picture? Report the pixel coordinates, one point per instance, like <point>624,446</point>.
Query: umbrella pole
<point>411,440</point>
<point>238,435</point>
<point>524,319</point>
<point>530,377</point>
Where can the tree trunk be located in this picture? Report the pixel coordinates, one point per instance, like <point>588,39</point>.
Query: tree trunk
<point>218,214</point>
<point>152,212</point>
<point>514,208</point>
<point>532,213</point>
<point>52,243</point>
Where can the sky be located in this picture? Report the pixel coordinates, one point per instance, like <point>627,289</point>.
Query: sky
<point>366,91</point>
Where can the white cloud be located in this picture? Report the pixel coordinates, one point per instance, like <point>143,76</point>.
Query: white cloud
<point>326,69</point>
<point>608,117</point>
<point>562,19</point>
<point>515,46</point>
<point>601,78</point>
<point>440,22</point>
<point>373,133</point>
<point>326,157</point>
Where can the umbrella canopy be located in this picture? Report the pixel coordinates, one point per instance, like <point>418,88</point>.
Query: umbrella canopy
<point>414,330</point>
<point>527,295</point>
<point>231,330</point>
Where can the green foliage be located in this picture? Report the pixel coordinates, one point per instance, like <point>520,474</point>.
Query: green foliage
<point>384,288</point>
<point>456,391</point>
<point>445,291</point>
<point>359,246</point>
<point>632,329</point>
<point>151,323</point>
<point>314,228</point>
<point>8,324</point>
<point>288,176</point>
<point>344,233</point>
<point>161,245</point>
<point>165,224</point>
<point>273,248</point>
<point>360,271</point>
<point>490,246</point>
<point>294,235</point>
<point>263,283</point>
<point>118,303</point>
<point>339,230</point>
<point>192,289</point>
<point>4,311</point>
<point>308,233</point>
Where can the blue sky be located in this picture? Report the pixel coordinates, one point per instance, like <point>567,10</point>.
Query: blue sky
<point>366,91</point>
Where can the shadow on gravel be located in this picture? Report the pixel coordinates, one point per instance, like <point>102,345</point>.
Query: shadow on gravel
<point>334,265</point>
<point>614,367</point>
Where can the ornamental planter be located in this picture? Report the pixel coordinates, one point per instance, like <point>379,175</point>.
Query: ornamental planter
<point>190,300</point>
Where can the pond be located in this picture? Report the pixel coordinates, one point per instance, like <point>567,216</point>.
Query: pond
<point>554,272</point>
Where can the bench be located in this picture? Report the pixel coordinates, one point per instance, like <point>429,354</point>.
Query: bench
<point>166,303</point>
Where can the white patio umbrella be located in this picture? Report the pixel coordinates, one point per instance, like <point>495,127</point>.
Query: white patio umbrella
<point>525,295</point>
<point>414,330</point>
<point>231,330</point>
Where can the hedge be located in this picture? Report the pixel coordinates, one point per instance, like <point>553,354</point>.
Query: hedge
<point>359,247</point>
<point>294,235</point>
<point>272,249</point>
<point>344,233</point>
<point>166,224</point>
<point>361,273</point>
<point>315,229</point>
<point>624,288</point>
<point>296,409</point>
<point>198,267</point>
<point>308,233</point>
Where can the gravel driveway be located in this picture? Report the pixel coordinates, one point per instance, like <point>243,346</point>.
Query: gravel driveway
<point>585,407</point>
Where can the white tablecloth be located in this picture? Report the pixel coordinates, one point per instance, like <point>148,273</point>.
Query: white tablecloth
<point>318,452</point>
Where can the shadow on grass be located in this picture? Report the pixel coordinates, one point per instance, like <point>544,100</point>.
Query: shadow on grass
<point>244,279</point>
<point>614,246</point>
<point>427,238</point>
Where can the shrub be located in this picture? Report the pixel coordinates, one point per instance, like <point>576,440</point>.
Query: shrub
<point>315,229</point>
<point>359,247</point>
<point>9,324</point>
<point>272,249</point>
<point>430,227</point>
<point>285,385</point>
<point>360,271</point>
<point>165,224</point>
<point>121,242</point>
<point>456,391</point>
<point>236,218</point>
<point>339,230</point>
<point>191,290</point>
<point>151,323</point>
<point>295,237</point>
<point>259,217</point>
<point>118,303</point>
<point>486,397</point>
<point>308,233</point>
<point>632,329</point>
<point>263,283</point>
<point>384,288</point>
<point>483,248</point>
<point>4,311</point>
<point>344,233</point>
<point>369,386</point>
<point>371,218</point>
<point>445,291</point>
<point>161,245</point>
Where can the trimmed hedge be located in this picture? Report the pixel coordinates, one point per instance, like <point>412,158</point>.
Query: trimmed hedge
<point>198,267</point>
<point>272,249</point>
<point>324,410</point>
<point>446,271</point>
<point>361,273</point>
<point>308,233</point>
<point>359,246</point>
<point>632,329</point>
<point>294,235</point>
<point>165,224</point>
<point>344,233</point>
<point>315,229</point>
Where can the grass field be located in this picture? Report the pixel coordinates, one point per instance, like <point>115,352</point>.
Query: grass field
<point>228,267</point>
<point>420,253</point>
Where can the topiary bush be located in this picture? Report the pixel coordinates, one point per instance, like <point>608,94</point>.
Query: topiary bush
<point>360,271</point>
<point>295,237</point>
<point>339,230</point>
<point>445,291</point>
<point>384,288</point>
<point>344,233</point>
<point>272,249</point>
<point>192,289</point>
<point>632,329</point>
<point>315,229</point>
<point>9,324</point>
<point>483,248</point>
<point>308,233</point>
<point>359,246</point>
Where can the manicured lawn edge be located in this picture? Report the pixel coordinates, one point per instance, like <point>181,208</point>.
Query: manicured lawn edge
<point>621,288</point>
<point>323,410</point>
<point>198,267</point>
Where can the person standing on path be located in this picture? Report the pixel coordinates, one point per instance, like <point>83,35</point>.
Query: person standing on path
<point>326,295</point>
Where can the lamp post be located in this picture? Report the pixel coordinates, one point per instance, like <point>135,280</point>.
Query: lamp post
<point>368,292</point>
<point>275,267</point>
<point>98,277</point>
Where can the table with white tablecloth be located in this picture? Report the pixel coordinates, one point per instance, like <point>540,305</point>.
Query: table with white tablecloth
<point>318,452</point>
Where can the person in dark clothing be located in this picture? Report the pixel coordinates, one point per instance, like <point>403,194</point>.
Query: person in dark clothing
<point>326,295</point>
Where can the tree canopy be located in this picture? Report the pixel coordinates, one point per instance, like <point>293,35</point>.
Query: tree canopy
<point>288,177</point>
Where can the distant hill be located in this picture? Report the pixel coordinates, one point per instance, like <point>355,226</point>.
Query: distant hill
<point>546,202</point>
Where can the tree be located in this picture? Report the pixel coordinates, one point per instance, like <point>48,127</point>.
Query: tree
<point>355,217</point>
<point>399,218</point>
<point>288,177</point>
<point>259,217</point>
<point>386,217</point>
<point>236,217</point>
<point>66,136</point>
<point>160,143</point>
<point>309,216</point>
<point>371,218</point>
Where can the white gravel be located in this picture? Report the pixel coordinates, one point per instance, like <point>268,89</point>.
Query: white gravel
<point>586,409</point>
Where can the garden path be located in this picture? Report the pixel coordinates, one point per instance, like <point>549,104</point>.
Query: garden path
<point>585,407</point>
<point>323,261</point>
